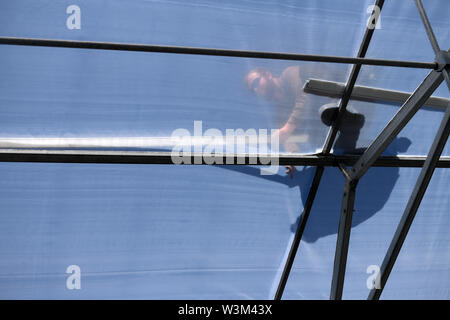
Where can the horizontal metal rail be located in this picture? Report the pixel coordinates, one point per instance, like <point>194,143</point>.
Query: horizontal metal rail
<point>336,90</point>
<point>152,157</point>
<point>211,52</point>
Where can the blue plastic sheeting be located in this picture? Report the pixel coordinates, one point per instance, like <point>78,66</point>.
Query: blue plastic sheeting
<point>421,271</point>
<point>206,232</point>
<point>138,231</point>
<point>114,94</point>
<point>79,93</point>
<point>401,36</point>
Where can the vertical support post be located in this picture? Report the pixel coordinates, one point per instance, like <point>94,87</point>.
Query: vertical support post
<point>343,239</point>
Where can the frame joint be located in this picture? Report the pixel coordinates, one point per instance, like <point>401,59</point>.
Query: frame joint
<point>442,60</point>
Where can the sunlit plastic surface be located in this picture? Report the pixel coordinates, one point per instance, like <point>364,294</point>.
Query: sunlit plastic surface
<point>381,197</point>
<point>206,232</point>
<point>401,35</point>
<point>292,26</point>
<point>427,248</point>
<point>138,100</point>
<point>142,232</point>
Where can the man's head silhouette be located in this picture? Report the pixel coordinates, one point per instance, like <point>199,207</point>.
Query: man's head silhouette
<point>263,83</point>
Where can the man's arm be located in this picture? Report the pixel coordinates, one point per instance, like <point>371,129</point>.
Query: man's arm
<point>295,117</point>
<point>300,103</point>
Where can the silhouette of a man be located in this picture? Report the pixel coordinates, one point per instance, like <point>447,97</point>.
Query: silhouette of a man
<point>294,107</point>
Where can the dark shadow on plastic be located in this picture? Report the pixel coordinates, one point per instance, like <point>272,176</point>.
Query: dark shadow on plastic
<point>372,193</point>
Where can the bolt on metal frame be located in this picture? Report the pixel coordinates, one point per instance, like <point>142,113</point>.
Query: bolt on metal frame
<point>371,156</point>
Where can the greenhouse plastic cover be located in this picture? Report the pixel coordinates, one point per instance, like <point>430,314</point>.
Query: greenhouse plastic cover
<point>206,232</point>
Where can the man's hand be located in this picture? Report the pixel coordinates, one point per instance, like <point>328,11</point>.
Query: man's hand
<point>286,131</point>
<point>290,171</point>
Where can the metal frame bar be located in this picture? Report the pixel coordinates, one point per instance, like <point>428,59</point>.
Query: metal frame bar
<point>371,156</point>
<point>412,206</point>
<point>422,181</point>
<point>151,157</point>
<point>388,134</point>
<point>397,123</point>
<point>331,136</point>
<point>335,89</point>
<point>406,112</point>
<point>431,36</point>
<point>211,52</point>
<point>427,26</point>
<point>299,232</point>
<point>343,238</point>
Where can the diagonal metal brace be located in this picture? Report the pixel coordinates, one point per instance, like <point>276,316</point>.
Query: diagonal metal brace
<point>413,205</point>
<point>443,60</point>
<point>343,239</point>
<point>397,123</point>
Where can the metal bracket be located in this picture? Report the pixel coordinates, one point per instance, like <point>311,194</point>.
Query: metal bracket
<point>443,59</point>
<point>345,172</point>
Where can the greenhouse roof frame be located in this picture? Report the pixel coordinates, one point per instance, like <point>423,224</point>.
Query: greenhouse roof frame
<point>359,163</point>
